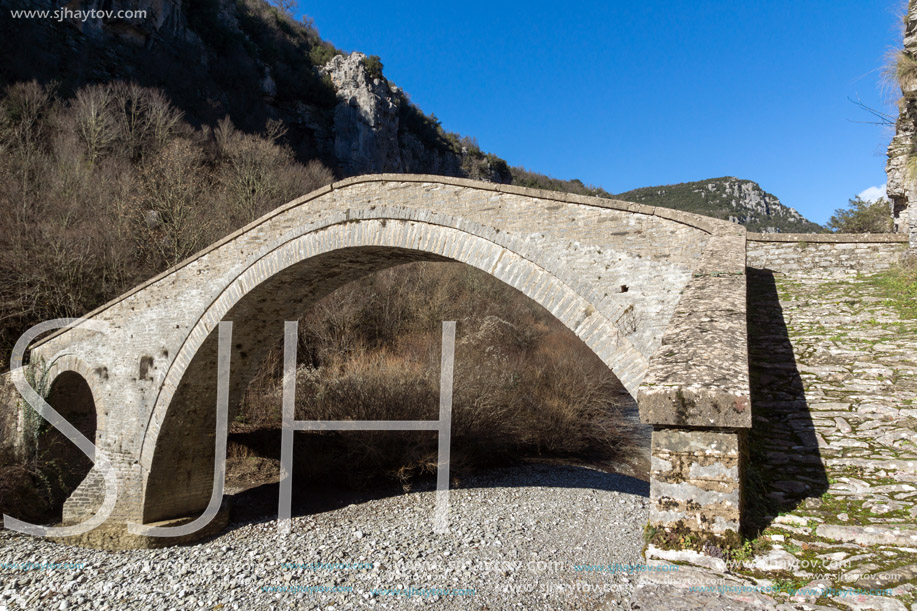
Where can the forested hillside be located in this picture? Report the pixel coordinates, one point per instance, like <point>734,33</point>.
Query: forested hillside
<point>730,199</point>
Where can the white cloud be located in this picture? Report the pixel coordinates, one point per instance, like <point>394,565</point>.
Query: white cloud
<point>874,193</point>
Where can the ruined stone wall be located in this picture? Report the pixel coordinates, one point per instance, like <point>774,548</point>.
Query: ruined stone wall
<point>825,253</point>
<point>11,432</point>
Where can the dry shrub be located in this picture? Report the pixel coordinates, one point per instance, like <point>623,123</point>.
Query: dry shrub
<point>105,190</point>
<point>23,493</point>
<point>171,222</point>
<point>145,120</point>
<point>255,173</point>
<point>23,117</point>
<point>524,385</point>
<point>34,488</point>
<point>94,119</point>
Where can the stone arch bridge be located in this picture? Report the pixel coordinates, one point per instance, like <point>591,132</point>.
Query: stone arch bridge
<point>657,294</point>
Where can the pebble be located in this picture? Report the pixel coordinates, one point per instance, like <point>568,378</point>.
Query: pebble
<point>515,538</point>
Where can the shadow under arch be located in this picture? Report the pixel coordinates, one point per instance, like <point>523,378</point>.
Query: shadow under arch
<point>177,454</point>
<point>62,463</point>
<point>259,504</point>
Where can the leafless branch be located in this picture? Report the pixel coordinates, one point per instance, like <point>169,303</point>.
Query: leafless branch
<point>883,118</point>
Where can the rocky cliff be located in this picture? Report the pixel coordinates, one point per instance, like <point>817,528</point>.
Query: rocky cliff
<point>368,133</point>
<point>902,152</point>
<point>728,198</point>
<point>245,59</point>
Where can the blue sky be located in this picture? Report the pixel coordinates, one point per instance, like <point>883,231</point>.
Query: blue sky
<point>632,94</point>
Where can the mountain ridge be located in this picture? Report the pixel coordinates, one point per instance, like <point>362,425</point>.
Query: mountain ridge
<point>728,198</point>
<point>252,62</point>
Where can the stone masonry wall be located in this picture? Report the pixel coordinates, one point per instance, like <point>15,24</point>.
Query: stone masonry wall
<point>695,479</point>
<point>10,418</point>
<point>825,253</point>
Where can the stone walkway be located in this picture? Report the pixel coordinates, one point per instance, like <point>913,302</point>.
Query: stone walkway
<point>833,456</point>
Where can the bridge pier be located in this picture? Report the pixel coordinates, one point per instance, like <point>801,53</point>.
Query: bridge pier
<point>695,480</point>
<point>114,534</point>
<point>696,394</point>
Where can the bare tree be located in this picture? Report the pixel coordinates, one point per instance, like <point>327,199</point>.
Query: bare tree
<point>880,118</point>
<point>286,6</point>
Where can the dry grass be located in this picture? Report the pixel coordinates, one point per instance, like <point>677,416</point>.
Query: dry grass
<point>524,385</point>
<point>105,190</point>
<point>905,67</point>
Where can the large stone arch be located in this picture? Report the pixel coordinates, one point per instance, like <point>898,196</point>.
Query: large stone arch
<point>177,453</point>
<point>657,294</point>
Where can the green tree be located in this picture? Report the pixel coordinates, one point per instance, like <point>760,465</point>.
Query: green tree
<point>373,66</point>
<point>863,217</point>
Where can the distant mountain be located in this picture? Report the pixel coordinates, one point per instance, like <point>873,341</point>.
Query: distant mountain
<point>728,198</point>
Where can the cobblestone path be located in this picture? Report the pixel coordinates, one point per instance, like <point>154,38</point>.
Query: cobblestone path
<point>833,455</point>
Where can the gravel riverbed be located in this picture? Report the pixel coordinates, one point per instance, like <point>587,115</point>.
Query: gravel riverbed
<point>519,538</point>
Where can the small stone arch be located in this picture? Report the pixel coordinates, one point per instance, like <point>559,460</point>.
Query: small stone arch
<point>62,371</point>
<point>71,395</point>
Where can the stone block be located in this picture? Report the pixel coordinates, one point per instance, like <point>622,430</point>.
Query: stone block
<point>699,375</point>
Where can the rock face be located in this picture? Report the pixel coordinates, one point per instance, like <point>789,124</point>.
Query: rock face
<point>241,59</point>
<point>729,198</point>
<point>369,136</point>
<point>902,186</point>
<point>11,434</point>
<point>365,119</point>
